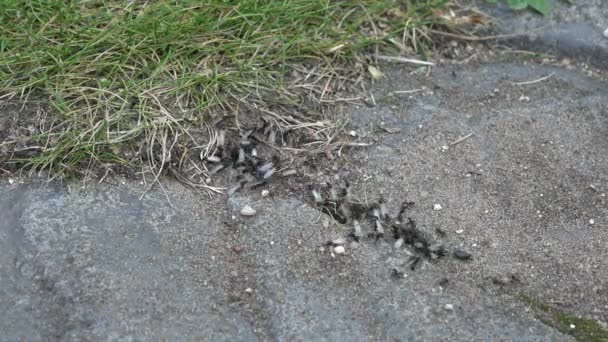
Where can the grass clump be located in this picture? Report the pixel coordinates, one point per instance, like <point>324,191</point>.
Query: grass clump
<point>583,329</point>
<point>122,82</point>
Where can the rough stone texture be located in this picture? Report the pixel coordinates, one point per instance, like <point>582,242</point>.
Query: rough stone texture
<point>574,31</point>
<point>97,263</point>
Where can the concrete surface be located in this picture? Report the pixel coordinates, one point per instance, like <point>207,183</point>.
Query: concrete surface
<point>571,30</point>
<point>98,264</point>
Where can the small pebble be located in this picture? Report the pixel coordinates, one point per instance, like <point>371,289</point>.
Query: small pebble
<point>249,290</point>
<point>352,133</point>
<point>265,193</point>
<point>437,207</point>
<point>459,231</point>
<point>11,181</point>
<point>248,211</point>
<point>339,241</point>
<point>325,222</point>
<point>445,147</point>
<point>398,274</point>
<point>449,307</point>
<point>572,326</point>
<point>339,250</point>
<point>462,255</point>
<point>271,242</point>
<point>606,33</point>
<point>592,221</point>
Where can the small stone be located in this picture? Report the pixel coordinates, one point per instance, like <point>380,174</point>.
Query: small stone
<point>325,222</point>
<point>524,98</point>
<point>234,274</point>
<point>11,181</point>
<point>445,147</point>
<point>606,33</point>
<point>249,290</point>
<point>592,221</point>
<point>265,193</point>
<point>248,211</point>
<point>437,207</point>
<point>449,307</point>
<point>572,326</point>
<point>238,249</point>
<point>271,243</point>
<point>398,274</point>
<point>339,250</point>
<point>352,133</point>
<point>461,255</point>
<point>460,231</point>
<point>339,241</point>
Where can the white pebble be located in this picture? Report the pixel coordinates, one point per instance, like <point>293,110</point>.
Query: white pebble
<point>11,181</point>
<point>265,193</point>
<point>352,133</point>
<point>459,231</point>
<point>437,207</point>
<point>249,290</point>
<point>248,211</point>
<point>606,33</point>
<point>339,241</point>
<point>339,250</point>
<point>592,221</point>
<point>449,307</point>
<point>272,242</point>
<point>445,147</point>
<point>572,326</point>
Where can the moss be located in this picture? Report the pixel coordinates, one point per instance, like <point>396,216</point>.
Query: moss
<point>583,329</point>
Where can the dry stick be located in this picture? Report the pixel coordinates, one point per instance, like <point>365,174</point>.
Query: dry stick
<point>480,39</point>
<point>398,92</point>
<point>403,60</point>
<point>459,140</point>
<point>534,81</point>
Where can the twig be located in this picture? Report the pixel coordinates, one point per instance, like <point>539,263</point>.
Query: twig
<point>403,60</point>
<point>459,140</point>
<point>534,81</point>
<point>477,38</point>
<point>398,92</point>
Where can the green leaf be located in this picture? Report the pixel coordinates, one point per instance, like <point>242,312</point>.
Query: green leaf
<point>542,6</point>
<point>517,4</point>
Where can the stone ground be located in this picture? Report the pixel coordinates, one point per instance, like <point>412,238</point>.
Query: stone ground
<point>525,194</point>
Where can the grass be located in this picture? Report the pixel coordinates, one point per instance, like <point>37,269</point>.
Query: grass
<point>124,82</point>
<point>582,329</point>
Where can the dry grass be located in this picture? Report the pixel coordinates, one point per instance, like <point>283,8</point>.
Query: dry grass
<point>139,84</point>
